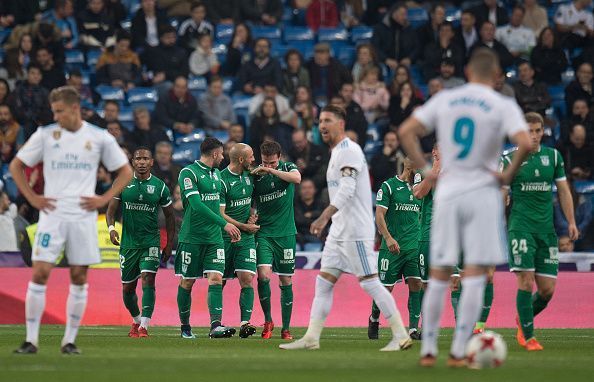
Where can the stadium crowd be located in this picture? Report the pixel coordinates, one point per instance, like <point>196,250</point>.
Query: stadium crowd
<point>167,73</point>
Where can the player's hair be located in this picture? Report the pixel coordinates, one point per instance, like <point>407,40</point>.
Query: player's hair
<point>142,148</point>
<point>484,63</point>
<point>338,112</point>
<point>197,4</point>
<point>163,144</point>
<point>269,148</point>
<point>533,117</point>
<point>112,102</point>
<point>67,94</point>
<point>209,145</point>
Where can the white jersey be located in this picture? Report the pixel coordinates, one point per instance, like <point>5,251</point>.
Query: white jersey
<point>354,222</point>
<point>70,162</point>
<point>471,123</point>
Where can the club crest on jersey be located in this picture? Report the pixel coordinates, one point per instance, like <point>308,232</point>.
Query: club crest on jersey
<point>544,160</point>
<point>150,189</point>
<point>57,134</point>
<point>88,146</point>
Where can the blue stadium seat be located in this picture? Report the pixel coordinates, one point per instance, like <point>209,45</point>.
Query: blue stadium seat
<point>347,55</point>
<point>453,15</point>
<point>424,90</point>
<point>74,58</point>
<point>140,94</point>
<point>2,54</point>
<point>223,33</point>
<point>221,135</point>
<point>333,34</point>
<point>93,57</point>
<point>287,15</point>
<point>228,85</point>
<point>372,148</point>
<point>306,47</point>
<point>126,117</point>
<point>150,106</point>
<point>110,93</point>
<point>298,34</point>
<point>273,34</point>
<point>279,50</point>
<point>417,17</point>
<point>197,83</point>
<point>361,34</point>
<point>186,153</point>
<point>312,247</point>
<point>221,51</point>
<point>557,92</point>
<point>4,33</point>
<point>241,101</point>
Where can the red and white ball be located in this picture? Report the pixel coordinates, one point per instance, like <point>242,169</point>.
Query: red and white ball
<point>486,350</point>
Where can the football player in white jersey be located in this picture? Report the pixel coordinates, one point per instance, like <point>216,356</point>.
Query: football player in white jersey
<point>349,246</point>
<point>471,122</point>
<point>70,150</point>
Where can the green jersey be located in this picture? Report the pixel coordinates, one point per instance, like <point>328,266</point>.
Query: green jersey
<point>140,202</point>
<point>402,215</point>
<point>426,212</point>
<point>236,197</point>
<point>532,191</point>
<point>199,228</point>
<point>274,201</point>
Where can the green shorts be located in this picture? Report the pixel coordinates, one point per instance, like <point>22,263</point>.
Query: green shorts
<point>278,252</point>
<point>394,266</point>
<point>424,249</point>
<point>192,261</point>
<point>137,260</point>
<point>240,258</point>
<point>535,252</point>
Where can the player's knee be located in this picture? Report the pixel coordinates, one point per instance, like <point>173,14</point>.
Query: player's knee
<point>129,287</point>
<point>414,285</point>
<point>148,279</point>
<point>285,280</point>
<point>40,278</point>
<point>215,279</point>
<point>186,283</point>
<point>245,280</point>
<point>525,280</point>
<point>546,292</point>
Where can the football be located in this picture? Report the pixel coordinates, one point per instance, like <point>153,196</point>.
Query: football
<point>486,350</point>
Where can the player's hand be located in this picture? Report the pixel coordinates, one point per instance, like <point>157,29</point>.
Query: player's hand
<point>233,231</point>
<point>253,219</point>
<point>93,203</point>
<point>250,228</point>
<point>504,178</point>
<point>260,170</point>
<point>114,236</point>
<point>573,232</point>
<point>166,254</point>
<point>42,203</point>
<point>393,245</point>
<point>317,227</point>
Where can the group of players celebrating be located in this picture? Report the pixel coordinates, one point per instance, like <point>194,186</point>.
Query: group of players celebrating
<point>239,222</point>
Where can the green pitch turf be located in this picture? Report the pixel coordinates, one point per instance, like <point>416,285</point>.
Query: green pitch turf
<point>346,355</point>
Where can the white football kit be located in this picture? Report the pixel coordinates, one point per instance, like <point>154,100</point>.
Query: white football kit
<point>70,162</point>
<point>349,246</point>
<point>471,123</point>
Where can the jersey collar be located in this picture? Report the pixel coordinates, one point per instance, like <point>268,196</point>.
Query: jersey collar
<point>144,180</point>
<point>231,172</point>
<point>203,166</point>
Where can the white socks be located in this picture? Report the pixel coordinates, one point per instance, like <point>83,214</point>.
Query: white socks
<point>75,308</point>
<point>469,310</point>
<point>34,307</point>
<point>320,308</point>
<point>136,319</point>
<point>433,302</point>
<point>144,322</point>
<point>386,304</point>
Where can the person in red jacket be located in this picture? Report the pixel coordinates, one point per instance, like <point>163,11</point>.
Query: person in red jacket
<point>322,13</point>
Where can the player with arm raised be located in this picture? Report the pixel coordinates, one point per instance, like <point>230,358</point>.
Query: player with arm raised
<point>471,122</point>
<point>236,203</point>
<point>349,246</point>
<point>201,250</point>
<point>275,241</point>
<point>71,150</point>
<point>139,249</point>
<point>532,239</point>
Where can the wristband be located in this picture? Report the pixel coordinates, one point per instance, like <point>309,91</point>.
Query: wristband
<point>111,228</point>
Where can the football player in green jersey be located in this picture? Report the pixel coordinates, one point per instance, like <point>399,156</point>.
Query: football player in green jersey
<point>201,250</point>
<point>139,248</point>
<point>236,202</point>
<point>533,244</point>
<point>397,219</point>
<point>276,240</point>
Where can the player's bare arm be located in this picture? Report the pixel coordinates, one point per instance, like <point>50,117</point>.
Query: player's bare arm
<point>249,227</point>
<point>567,206</point>
<point>170,228</point>
<point>409,133</point>
<point>40,202</point>
<point>288,176</point>
<point>124,175</point>
<point>422,189</point>
<point>382,227</point>
<point>522,140</point>
<point>112,208</point>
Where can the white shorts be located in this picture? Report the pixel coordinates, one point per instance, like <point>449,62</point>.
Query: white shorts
<point>77,238</point>
<point>354,257</point>
<point>471,224</point>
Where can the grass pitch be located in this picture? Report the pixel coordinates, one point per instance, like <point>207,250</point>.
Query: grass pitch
<point>346,355</point>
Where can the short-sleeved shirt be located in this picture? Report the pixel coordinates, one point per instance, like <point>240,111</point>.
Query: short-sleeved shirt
<point>140,202</point>
<point>426,212</point>
<point>402,215</point>
<point>516,39</point>
<point>471,123</point>
<point>274,202</point>
<point>567,14</point>
<point>236,197</point>
<point>532,191</point>
<point>353,222</point>
<point>70,162</point>
<point>204,181</point>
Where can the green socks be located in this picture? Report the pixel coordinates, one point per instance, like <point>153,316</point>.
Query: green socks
<point>525,312</point>
<point>148,301</point>
<point>215,302</point>
<point>487,301</point>
<point>184,302</point>
<point>264,296</point>
<point>286,304</point>
<point>131,303</point>
<point>538,303</point>
<point>414,309</point>
<point>246,303</point>
<point>455,298</point>
<point>375,312</point>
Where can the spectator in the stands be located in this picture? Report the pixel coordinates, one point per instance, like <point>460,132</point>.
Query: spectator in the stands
<point>351,12</point>
<point>575,24</point>
<point>429,32</point>
<point>120,134</point>
<point>236,133</point>
<point>216,107</point>
<point>146,23</point>
<point>18,58</point>
<point>119,66</point>
<point>372,95</point>
<point>203,60</point>
<point>402,76</point>
<point>581,86</point>
<point>178,109</point>
<point>396,41</point>
<point>267,125</point>
<point>53,76</point>
<point>503,87</point>
<point>75,79</point>
<point>582,206</point>
<point>535,16</point>
<point>305,109</point>
<point>116,11</point>
<point>165,61</point>
<point>264,12</point>
<point>578,154</point>
<point>311,159</point>
<point>97,28</point>
<point>322,14</point>
<point>62,17</point>
<point>326,73</point>
<point>375,10</point>
<point>260,70</point>
<point>388,162</point>
<point>490,11</point>
<point>294,75</point>
<point>176,8</point>
<point>4,91</point>
<point>531,95</point>
<point>8,212</point>
<point>355,117</point>
<point>164,167</point>
<point>23,11</point>
<point>447,75</point>
<point>402,105</point>
<point>222,11</point>
<point>308,208</point>
<point>446,48</point>
<point>434,86</point>
<point>193,28</point>
<point>580,114</point>
<point>111,111</point>
<point>12,136</point>
<point>366,58</point>
<point>283,106</point>
<point>518,39</point>
<point>487,40</point>
<point>104,180</point>
<point>239,50</point>
<point>547,58</point>
<point>466,33</point>
<point>48,35</point>
<point>146,133</point>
